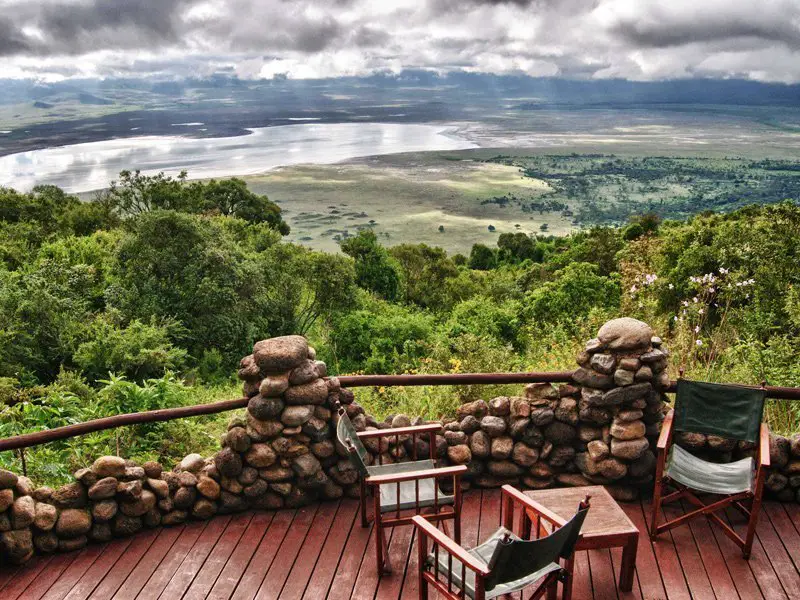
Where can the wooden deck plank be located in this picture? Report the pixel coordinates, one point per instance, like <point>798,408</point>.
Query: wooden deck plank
<point>47,577</point>
<point>778,557</point>
<point>714,562</point>
<point>616,563</point>
<point>356,550</point>
<point>7,573</point>
<point>191,565</point>
<point>25,576</point>
<point>694,571</point>
<point>167,568</point>
<point>648,573</point>
<point>490,514</point>
<point>278,572</point>
<point>241,556</point>
<point>368,580</point>
<point>668,564</point>
<point>264,555</point>
<point>330,556</point>
<point>94,574</point>
<point>149,563</point>
<point>310,551</point>
<point>83,560</point>
<point>213,565</point>
<point>582,578</point>
<point>764,574</point>
<point>116,576</point>
<point>604,584</point>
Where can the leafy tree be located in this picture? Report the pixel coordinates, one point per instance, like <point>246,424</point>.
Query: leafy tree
<point>426,272</point>
<point>482,258</point>
<point>576,290</point>
<point>517,247</point>
<point>231,197</point>
<point>376,271</point>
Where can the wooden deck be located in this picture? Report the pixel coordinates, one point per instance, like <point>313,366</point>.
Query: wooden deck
<point>322,552</point>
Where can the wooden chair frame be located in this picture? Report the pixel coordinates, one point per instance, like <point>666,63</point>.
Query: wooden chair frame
<point>436,513</point>
<point>751,497</point>
<point>532,519</point>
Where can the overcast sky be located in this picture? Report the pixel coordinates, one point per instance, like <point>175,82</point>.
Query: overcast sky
<point>634,39</point>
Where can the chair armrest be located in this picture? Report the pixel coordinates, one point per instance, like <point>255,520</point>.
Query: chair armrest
<point>415,475</point>
<point>665,437</point>
<point>763,449</point>
<point>376,433</point>
<point>427,529</point>
<point>531,504</point>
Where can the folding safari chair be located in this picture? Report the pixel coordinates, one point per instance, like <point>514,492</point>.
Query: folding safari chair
<point>730,411</point>
<point>506,562</point>
<point>404,489</point>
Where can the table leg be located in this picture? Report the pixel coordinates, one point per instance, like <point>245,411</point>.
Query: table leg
<point>628,563</point>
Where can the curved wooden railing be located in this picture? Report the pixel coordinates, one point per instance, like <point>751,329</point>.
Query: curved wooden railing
<point>350,381</point>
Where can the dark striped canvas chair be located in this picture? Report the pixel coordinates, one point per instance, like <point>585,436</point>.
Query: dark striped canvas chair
<point>403,489</point>
<point>730,411</point>
<point>507,561</point>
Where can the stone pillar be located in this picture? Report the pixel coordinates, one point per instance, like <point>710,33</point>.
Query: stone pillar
<point>622,377</point>
<point>277,456</point>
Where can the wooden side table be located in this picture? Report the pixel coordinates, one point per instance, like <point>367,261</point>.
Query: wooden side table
<point>606,525</point>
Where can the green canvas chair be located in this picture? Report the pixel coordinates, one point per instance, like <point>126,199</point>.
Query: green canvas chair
<point>506,562</point>
<point>729,411</point>
<point>403,489</point>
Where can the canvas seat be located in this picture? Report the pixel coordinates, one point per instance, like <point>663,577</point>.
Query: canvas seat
<point>484,553</point>
<point>733,412</point>
<point>420,493</point>
<point>704,476</point>
<point>506,562</point>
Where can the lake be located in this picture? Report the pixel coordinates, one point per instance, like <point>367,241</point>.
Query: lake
<point>93,165</point>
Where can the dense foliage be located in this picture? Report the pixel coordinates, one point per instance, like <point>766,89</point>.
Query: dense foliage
<point>121,303</point>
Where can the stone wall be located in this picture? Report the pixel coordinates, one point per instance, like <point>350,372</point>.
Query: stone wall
<point>599,429</point>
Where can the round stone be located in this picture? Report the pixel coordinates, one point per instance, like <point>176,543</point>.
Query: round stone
<point>493,426</point>
<point>109,466</point>
<point>228,462</point>
<point>23,511</point>
<point>105,510</point>
<point>73,522</point>
<point>315,392</point>
<point>524,455</point>
<point>273,386</point>
<point>208,488</point>
<point>46,516</point>
<point>629,449</point>
<point>480,444</point>
<point>459,454</point>
<point>295,416</point>
<point>627,430</point>
<point>280,353</point>
<point>625,333</point>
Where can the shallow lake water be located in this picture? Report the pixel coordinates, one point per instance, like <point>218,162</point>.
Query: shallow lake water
<point>91,166</point>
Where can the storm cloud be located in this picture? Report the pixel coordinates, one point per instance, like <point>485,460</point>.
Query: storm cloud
<point>633,39</point>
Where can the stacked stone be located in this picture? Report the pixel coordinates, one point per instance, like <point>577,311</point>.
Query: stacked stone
<point>517,440</point>
<point>279,454</point>
<point>622,378</point>
<point>112,498</point>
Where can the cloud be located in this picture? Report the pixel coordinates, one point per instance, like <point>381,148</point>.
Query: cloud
<point>634,39</point>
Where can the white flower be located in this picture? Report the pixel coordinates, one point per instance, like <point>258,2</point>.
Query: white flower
<point>723,271</point>
<point>633,289</point>
<point>694,299</point>
<point>699,342</point>
<point>700,311</point>
<point>697,329</point>
<point>672,287</point>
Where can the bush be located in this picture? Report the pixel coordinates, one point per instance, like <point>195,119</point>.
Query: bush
<point>139,350</point>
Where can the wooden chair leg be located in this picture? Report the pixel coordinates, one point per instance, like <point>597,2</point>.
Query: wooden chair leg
<point>381,550</point>
<point>362,496</point>
<point>655,508</point>
<point>567,584</point>
<point>422,557</point>
<point>754,510</point>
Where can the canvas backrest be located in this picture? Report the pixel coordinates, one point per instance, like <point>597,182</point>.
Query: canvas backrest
<point>347,436</point>
<point>515,559</point>
<point>729,411</point>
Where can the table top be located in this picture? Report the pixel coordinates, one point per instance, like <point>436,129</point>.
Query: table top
<point>605,517</point>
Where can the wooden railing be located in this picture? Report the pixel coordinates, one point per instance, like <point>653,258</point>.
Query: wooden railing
<point>349,381</point>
